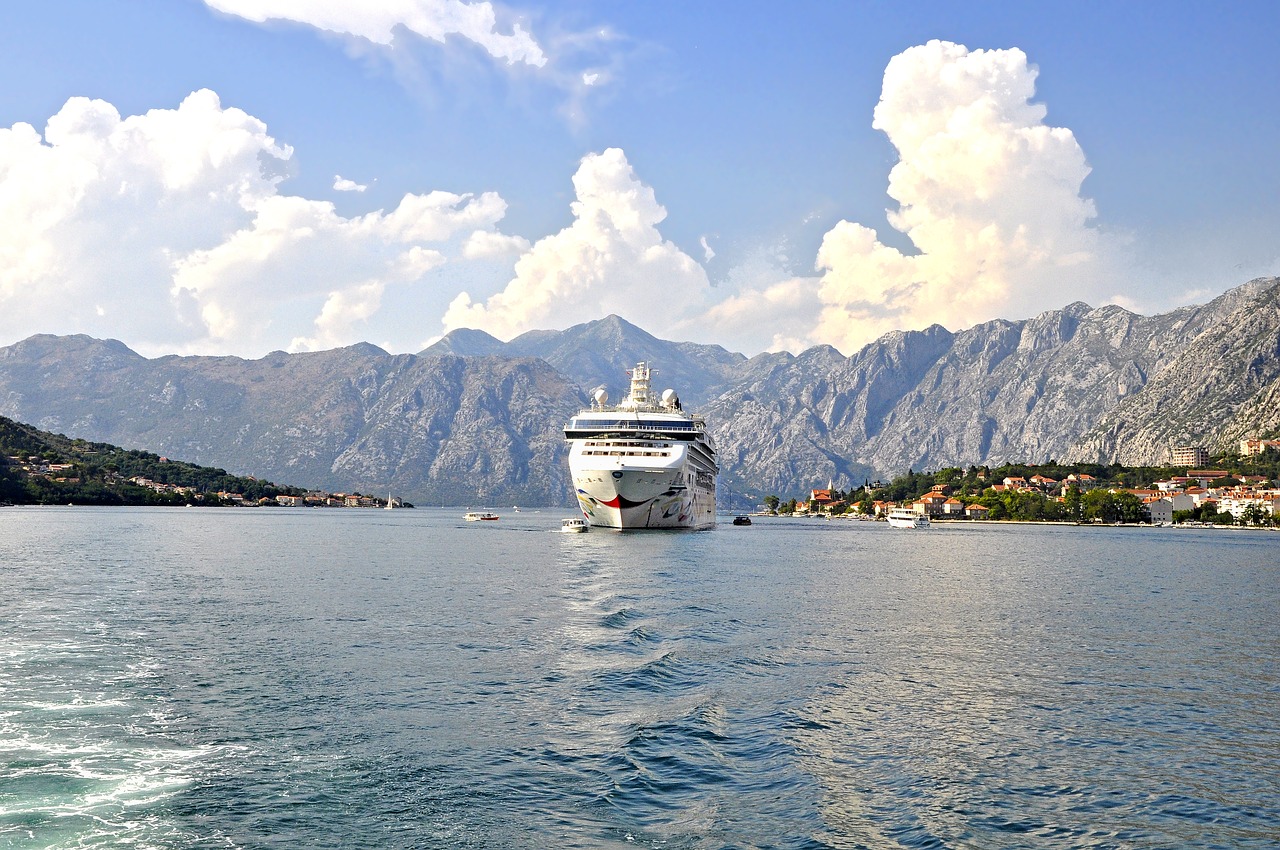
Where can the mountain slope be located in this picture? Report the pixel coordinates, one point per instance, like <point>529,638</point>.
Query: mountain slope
<point>39,467</point>
<point>476,420</point>
<point>439,429</point>
<point>598,353</point>
<point>999,392</point>
<point>1216,388</point>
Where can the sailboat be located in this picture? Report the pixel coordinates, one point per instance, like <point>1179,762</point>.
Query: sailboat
<point>390,504</point>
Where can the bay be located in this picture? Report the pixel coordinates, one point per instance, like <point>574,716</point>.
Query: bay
<point>347,678</point>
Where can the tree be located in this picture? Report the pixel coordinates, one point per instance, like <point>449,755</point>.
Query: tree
<point>1254,515</point>
<point>1072,504</point>
<point>771,502</point>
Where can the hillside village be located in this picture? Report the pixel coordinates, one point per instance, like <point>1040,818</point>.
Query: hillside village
<point>65,478</point>
<point>38,467</point>
<point>1241,491</point>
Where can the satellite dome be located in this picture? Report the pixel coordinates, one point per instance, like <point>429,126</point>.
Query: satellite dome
<point>601,395</point>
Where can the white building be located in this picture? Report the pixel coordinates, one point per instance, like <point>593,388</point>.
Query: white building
<point>1160,509</point>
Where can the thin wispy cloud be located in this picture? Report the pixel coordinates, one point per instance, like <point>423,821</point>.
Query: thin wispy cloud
<point>378,21</point>
<point>708,254</point>
<point>578,68</point>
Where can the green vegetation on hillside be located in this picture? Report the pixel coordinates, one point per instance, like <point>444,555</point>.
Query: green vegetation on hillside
<point>37,467</point>
<point>1099,498</point>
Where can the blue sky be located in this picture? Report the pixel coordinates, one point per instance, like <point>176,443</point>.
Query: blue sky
<point>708,171</point>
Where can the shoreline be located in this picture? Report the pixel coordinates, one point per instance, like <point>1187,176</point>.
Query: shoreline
<point>962,522</point>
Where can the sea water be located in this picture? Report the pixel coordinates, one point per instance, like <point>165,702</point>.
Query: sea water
<point>347,678</point>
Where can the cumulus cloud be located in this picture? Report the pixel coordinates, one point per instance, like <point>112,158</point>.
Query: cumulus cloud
<point>767,308</point>
<point>378,20</point>
<point>168,230</point>
<point>988,194</point>
<point>342,184</point>
<point>489,244</point>
<point>611,259</point>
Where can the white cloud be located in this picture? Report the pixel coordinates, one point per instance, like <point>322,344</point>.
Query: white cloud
<point>378,20</point>
<point>343,310</point>
<point>488,244</point>
<point>988,194</point>
<point>611,259</point>
<point>342,184</point>
<point>576,67</point>
<point>778,317</point>
<point>707,253</point>
<point>168,230</point>
<point>769,309</point>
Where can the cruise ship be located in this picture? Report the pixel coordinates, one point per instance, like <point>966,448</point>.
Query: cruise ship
<point>644,462</point>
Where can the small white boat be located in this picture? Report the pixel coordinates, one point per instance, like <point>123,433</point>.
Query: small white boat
<point>907,518</point>
<point>573,525</point>
<point>476,516</point>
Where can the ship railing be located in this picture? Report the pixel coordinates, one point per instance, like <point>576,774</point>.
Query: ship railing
<point>632,425</point>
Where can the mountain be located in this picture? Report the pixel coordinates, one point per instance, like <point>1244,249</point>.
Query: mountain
<point>475,420</point>
<point>38,467</point>
<point>597,353</point>
<point>1010,391</point>
<point>1214,390</point>
<point>437,429</point>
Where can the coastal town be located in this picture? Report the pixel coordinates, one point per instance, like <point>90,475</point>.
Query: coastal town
<point>38,468</point>
<point>1200,495</point>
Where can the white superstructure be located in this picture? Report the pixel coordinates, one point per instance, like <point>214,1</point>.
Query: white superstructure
<point>907,518</point>
<point>643,463</point>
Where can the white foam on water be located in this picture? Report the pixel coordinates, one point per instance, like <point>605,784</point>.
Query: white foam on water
<point>92,748</point>
<point>78,705</point>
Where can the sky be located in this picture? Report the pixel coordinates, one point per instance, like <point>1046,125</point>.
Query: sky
<point>244,176</point>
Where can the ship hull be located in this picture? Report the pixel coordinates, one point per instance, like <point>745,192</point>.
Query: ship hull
<point>624,498</point>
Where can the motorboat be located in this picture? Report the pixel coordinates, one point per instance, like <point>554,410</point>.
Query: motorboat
<point>907,518</point>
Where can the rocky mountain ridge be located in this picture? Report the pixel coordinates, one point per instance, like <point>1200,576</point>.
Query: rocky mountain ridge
<point>435,429</point>
<point>473,420</point>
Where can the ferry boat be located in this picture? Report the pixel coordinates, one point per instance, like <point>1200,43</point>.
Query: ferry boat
<point>575,525</point>
<point>907,518</point>
<point>478,516</point>
<point>643,463</point>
